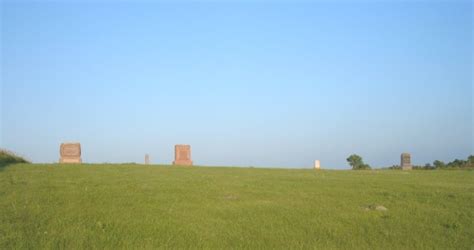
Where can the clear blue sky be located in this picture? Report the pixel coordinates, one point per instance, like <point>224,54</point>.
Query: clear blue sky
<point>244,83</point>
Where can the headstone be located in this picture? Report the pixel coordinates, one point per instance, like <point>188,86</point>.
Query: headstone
<point>147,159</point>
<point>317,164</point>
<point>405,161</point>
<point>182,155</point>
<point>70,153</point>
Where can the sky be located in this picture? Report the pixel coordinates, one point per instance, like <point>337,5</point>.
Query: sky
<point>245,83</point>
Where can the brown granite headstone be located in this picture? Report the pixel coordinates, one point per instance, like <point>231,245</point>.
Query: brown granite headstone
<point>405,161</point>
<point>70,153</point>
<point>182,155</point>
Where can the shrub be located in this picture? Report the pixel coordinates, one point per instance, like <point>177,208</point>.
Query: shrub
<point>7,158</point>
<point>395,167</point>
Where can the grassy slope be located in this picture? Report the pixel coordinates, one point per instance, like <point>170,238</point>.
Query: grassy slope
<point>155,206</point>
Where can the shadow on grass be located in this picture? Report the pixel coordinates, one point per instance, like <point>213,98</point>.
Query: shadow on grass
<point>3,166</point>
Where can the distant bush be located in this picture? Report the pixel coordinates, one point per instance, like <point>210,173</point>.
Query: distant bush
<point>427,166</point>
<point>7,158</point>
<point>439,164</point>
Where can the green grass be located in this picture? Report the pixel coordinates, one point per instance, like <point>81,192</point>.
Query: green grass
<point>135,206</point>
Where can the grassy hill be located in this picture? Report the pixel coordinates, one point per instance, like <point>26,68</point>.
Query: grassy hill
<point>135,206</point>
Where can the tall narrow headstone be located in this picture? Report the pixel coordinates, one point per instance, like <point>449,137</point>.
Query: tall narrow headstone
<point>405,161</point>
<point>147,159</point>
<point>70,153</point>
<point>182,155</point>
<point>317,164</point>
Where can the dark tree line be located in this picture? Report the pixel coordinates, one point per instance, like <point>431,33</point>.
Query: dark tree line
<point>356,162</point>
<point>456,164</point>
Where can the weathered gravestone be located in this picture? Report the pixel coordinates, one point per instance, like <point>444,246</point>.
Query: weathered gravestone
<point>70,153</point>
<point>147,159</point>
<point>182,155</point>
<point>405,161</point>
<point>317,164</point>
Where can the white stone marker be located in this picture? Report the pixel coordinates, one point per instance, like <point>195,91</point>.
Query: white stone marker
<point>317,164</point>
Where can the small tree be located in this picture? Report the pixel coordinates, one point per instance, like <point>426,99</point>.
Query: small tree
<point>357,163</point>
<point>470,161</point>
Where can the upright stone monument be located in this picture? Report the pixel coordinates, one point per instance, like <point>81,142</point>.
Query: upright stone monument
<point>147,159</point>
<point>405,161</point>
<point>317,164</point>
<point>70,153</point>
<point>182,155</point>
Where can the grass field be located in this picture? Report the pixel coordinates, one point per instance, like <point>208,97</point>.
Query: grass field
<point>135,206</point>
